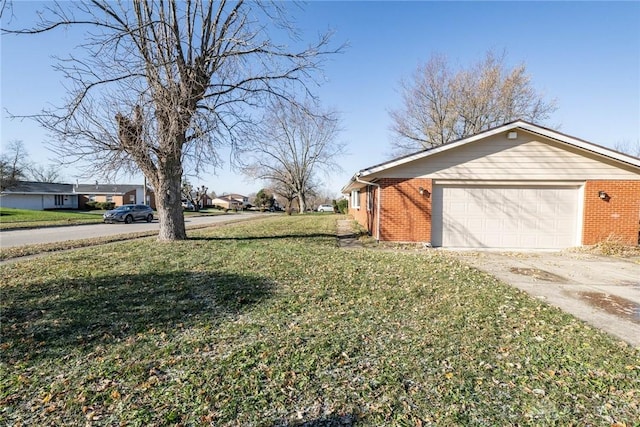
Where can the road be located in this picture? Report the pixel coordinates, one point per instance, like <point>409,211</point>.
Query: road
<point>60,234</point>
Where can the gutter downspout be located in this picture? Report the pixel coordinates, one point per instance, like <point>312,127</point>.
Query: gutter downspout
<point>379,199</point>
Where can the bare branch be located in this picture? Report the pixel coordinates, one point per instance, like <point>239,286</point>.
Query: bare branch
<point>440,105</point>
<point>294,144</point>
<point>162,85</point>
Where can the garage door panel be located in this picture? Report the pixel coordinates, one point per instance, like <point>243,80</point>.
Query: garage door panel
<point>504,217</point>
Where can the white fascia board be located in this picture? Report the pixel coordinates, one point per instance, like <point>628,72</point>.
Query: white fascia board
<point>353,184</point>
<point>579,143</point>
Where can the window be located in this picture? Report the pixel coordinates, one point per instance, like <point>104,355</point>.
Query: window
<point>355,199</point>
<point>59,200</point>
<point>369,198</point>
<point>92,197</point>
<point>109,198</point>
<point>132,198</point>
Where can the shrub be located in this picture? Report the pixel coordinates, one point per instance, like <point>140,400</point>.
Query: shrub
<point>342,206</point>
<point>91,205</point>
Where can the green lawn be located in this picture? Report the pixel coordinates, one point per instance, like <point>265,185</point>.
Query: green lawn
<point>22,218</point>
<point>268,323</point>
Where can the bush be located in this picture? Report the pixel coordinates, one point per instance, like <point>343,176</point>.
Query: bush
<point>106,205</point>
<point>91,205</point>
<point>342,206</point>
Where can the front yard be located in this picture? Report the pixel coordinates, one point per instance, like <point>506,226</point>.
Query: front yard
<point>23,218</point>
<point>268,323</point>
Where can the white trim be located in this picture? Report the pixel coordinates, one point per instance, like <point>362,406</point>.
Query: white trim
<point>355,199</point>
<point>481,182</point>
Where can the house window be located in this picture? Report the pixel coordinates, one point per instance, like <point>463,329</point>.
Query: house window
<point>355,199</point>
<point>109,198</point>
<point>369,198</point>
<point>92,198</point>
<point>132,198</point>
<point>59,200</point>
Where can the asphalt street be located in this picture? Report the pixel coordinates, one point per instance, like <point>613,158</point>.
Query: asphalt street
<point>60,234</point>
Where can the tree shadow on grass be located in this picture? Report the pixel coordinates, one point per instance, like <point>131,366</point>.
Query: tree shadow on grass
<point>269,237</point>
<point>343,420</point>
<point>51,318</point>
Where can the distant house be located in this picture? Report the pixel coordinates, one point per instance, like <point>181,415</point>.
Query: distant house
<point>231,201</point>
<point>39,196</point>
<point>42,195</point>
<point>120,194</point>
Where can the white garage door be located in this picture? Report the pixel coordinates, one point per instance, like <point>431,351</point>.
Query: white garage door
<point>504,217</point>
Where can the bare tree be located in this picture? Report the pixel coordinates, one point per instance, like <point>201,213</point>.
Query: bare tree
<point>293,145</point>
<point>14,164</point>
<point>442,105</point>
<point>194,195</point>
<point>164,84</point>
<point>41,173</point>
<point>628,147</point>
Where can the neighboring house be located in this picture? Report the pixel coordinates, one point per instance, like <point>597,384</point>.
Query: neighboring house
<point>120,194</point>
<point>39,196</point>
<point>231,201</point>
<point>515,186</point>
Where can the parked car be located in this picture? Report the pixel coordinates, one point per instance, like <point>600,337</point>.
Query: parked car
<point>128,214</point>
<point>187,205</point>
<point>325,208</point>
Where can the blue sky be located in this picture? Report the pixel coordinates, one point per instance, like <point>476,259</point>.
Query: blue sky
<point>585,55</point>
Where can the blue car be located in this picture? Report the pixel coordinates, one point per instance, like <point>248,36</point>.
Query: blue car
<point>128,214</point>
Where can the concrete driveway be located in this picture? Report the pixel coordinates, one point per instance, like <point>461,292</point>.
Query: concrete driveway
<point>602,291</point>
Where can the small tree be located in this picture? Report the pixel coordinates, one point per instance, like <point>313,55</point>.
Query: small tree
<point>195,196</point>
<point>342,205</point>
<point>13,165</point>
<point>442,104</point>
<point>264,199</point>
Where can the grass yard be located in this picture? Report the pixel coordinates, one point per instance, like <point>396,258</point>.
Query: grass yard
<point>22,218</point>
<point>269,324</point>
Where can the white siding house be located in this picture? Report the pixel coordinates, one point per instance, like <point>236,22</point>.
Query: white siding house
<point>39,196</point>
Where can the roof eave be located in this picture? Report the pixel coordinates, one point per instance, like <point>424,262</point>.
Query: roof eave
<point>530,127</point>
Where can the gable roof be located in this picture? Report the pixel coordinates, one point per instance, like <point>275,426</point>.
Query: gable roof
<point>32,187</point>
<point>517,124</point>
<point>105,188</point>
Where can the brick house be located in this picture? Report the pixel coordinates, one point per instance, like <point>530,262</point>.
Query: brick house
<point>120,194</point>
<point>231,201</point>
<point>517,186</point>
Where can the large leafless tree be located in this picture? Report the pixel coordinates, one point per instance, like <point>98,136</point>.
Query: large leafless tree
<point>162,85</point>
<point>294,144</point>
<point>441,104</point>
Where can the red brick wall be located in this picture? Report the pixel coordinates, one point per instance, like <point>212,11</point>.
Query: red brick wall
<point>616,217</point>
<point>405,213</point>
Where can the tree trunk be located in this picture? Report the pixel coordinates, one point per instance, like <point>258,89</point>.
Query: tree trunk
<point>302,202</point>
<point>169,204</point>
